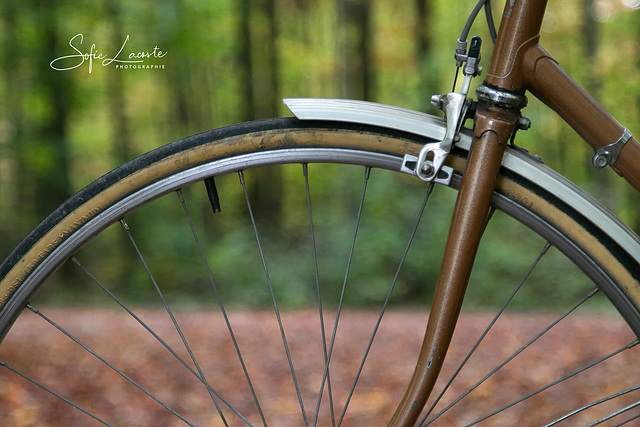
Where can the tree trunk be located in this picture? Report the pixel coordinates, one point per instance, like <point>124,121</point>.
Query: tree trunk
<point>117,103</point>
<point>356,50</point>
<point>52,184</point>
<point>245,64</point>
<point>258,62</point>
<point>428,78</point>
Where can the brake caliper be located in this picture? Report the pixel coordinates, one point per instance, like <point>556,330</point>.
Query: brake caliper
<point>430,161</point>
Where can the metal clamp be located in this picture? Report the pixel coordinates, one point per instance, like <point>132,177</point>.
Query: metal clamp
<point>608,154</point>
<point>501,98</point>
<point>410,163</point>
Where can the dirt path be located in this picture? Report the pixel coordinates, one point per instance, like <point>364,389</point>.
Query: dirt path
<point>383,380</point>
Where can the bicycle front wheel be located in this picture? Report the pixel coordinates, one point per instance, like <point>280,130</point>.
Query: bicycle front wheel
<point>279,272</point>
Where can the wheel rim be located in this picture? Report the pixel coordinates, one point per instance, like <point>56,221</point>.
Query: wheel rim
<point>307,155</point>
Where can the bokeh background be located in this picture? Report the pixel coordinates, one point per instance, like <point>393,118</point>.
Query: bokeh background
<point>227,61</point>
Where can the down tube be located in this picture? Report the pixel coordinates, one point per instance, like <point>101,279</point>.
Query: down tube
<point>552,85</point>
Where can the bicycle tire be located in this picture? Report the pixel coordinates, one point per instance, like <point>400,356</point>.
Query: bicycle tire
<point>585,232</point>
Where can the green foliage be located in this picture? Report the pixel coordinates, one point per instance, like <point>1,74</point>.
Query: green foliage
<point>71,126</point>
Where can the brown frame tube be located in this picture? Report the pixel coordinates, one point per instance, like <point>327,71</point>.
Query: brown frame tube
<point>553,86</point>
<point>518,64</point>
<point>493,127</point>
<point>467,226</point>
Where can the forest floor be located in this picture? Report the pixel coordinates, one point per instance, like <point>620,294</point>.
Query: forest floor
<point>579,340</point>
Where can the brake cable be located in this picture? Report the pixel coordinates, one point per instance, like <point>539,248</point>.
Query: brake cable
<point>489,17</point>
<point>461,45</point>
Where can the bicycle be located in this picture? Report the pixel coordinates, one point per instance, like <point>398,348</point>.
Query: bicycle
<point>496,181</point>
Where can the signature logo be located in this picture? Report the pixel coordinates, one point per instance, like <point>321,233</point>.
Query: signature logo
<point>120,60</point>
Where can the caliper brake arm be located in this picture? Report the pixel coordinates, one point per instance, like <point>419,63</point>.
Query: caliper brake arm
<point>432,156</point>
<point>454,105</point>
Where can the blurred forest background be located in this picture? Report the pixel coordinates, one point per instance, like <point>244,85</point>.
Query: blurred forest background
<point>228,61</point>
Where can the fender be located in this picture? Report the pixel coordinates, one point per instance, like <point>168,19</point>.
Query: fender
<point>515,159</point>
<point>369,113</point>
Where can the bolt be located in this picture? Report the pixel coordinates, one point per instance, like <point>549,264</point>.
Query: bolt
<point>600,160</point>
<point>524,123</point>
<point>437,101</point>
<point>427,169</point>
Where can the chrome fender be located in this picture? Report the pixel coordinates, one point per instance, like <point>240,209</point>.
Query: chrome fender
<point>432,127</point>
<point>371,113</point>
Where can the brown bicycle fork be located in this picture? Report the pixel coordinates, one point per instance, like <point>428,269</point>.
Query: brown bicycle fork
<point>518,64</point>
<point>467,226</point>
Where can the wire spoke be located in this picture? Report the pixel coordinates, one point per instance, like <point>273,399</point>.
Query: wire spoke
<point>558,381</point>
<point>273,297</point>
<point>615,414</point>
<point>516,353</point>
<point>169,311</point>
<point>86,271</point>
<point>305,171</point>
<point>388,297</point>
<point>487,330</point>
<point>367,174</point>
<point>628,420</point>
<point>594,403</point>
<point>224,314</point>
<point>48,390</point>
<point>103,360</point>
